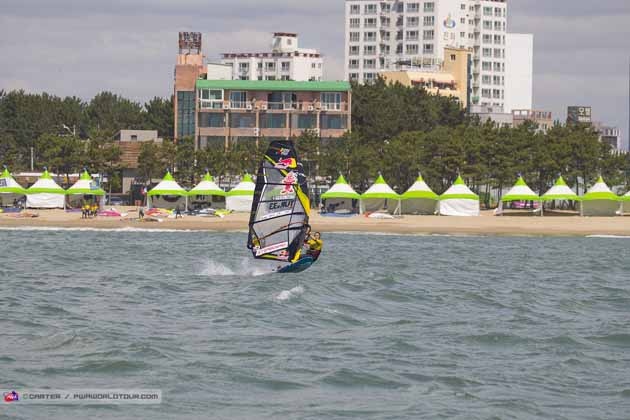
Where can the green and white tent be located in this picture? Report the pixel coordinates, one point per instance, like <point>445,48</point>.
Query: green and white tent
<point>45,194</point>
<point>10,190</point>
<point>625,202</point>
<point>85,189</point>
<point>599,200</point>
<point>168,194</point>
<point>459,200</point>
<point>241,197</point>
<point>341,198</point>
<point>560,192</point>
<point>419,199</point>
<point>519,192</point>
<point>207,194</point>
<point>380,197</point>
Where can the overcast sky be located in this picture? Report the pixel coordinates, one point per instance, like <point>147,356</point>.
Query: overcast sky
<point>82,47</point>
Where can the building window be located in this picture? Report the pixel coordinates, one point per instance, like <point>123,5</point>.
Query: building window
<point>429,20</point>
<point>212,119</point>
<point>355,23</point>
<point>354,50</point>
<point>370,23</point>
<point>369,50</point>
<point>462,34</point>
<point>412,35</point>
<point>498,12</point>
<point>411,49</point>
<point>353,76</point>
<point>271,120</point>
<point>487,25</point>
<point>353,64</point>
<point>413,21</point>
<point>270,66</point>
<point>238,99</point>
<point>243,67</point>
<point>485,79</point>
<point>355,36</point>
<point>369,36</point>
<point>368,77</point>
<point>333,122</point>
<point>185,114</point>
<point>286,66</point>
<point>429,7</point>
<point>487,11</point>
<point>486,52</point>
<point>355,9</point>
<point>369,64</point>
<point>485,93</point>
<point>487,39</point>
<point>427,48</point>
<point>134,137</point>
<point>453,57</point>
<point>270,78</point>
<point>413,7</point>
<point>210,98</point>
<point>331,100</point>
<point>463,7</point>
<point>285,77</point>
<point>486,65</point>
<point>242,120</point>
<point>428,35</point>
<point>370,9</point>
<point>386,8</point>
<point>305,121</point>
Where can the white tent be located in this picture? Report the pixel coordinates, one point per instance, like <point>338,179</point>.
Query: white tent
<point>459,200</point>
<point>380,197</point>
<point>45,194</point>
<point>519,192</point>
<point>241,197</point>
<point>599,200</point>
<point>207,194</point>
<point>83,189</point>
<point>560,192</point>
<point>341,198</point>
<point>168,194</point>
<point>10,190</point>
<point>419,199</point>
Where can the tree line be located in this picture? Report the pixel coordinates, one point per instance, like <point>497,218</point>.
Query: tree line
<point>396,130</point>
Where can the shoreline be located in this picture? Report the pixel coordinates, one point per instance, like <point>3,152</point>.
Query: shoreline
<point>559,224</point>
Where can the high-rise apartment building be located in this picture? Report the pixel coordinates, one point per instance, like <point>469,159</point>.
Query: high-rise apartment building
<point>285,61</point>
<point>402,34</point>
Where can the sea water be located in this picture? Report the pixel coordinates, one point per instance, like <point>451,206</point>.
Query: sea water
<point>381,327</point>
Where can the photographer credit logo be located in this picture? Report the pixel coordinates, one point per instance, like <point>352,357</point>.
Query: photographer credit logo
<point>11,397</point>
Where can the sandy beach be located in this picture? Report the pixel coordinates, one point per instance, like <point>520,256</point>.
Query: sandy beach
<point>486,224</point>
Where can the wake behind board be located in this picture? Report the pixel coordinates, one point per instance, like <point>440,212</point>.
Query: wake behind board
<point>297,267</point>
<point>278,221</point>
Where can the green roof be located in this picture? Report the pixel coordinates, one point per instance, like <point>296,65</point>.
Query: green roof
<point>273,85</point>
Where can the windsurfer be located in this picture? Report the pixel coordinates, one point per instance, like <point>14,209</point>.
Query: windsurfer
<point>315,245</point>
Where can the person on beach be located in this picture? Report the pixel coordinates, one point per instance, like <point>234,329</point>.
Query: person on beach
<point>140,213</point>
<point>315,245</point>
<point>178,212</point>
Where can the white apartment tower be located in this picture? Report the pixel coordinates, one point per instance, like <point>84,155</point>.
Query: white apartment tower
<point>398,34</point>
<point>285,61</point>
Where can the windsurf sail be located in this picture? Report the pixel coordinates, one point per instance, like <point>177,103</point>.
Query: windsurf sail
<point>278,221</point>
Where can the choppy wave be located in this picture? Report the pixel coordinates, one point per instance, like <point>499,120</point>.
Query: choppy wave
<point>381,327</point>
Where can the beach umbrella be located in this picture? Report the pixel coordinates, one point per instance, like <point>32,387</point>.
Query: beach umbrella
<point>599,200</point>
<point>85,186</point>
<point>241,197</point>
<point>419,198</point>
<point>519,192</point>
<point>207,190</point>
<point>380,196</point>
<point>167,194</point>
<point>341,198</point>
<point>459,200</point>
<point>45,193</point>
<point>10,190</point>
